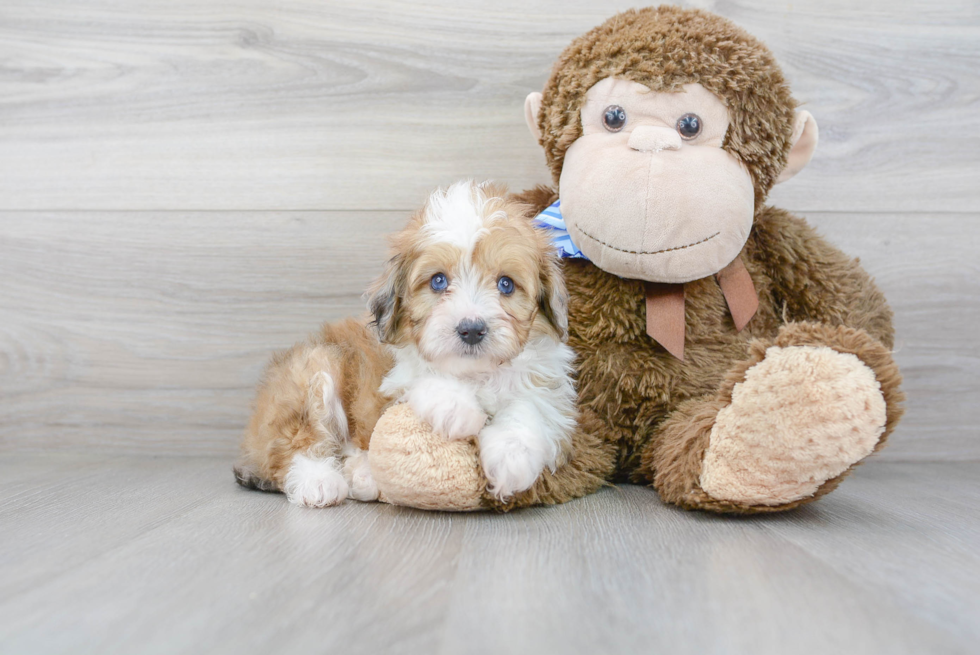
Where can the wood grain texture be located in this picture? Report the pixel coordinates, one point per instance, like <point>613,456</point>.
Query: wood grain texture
<point>146,332</point>
<point>132,324</point>
<point>149,331</point>
<point>315,104</point>
<point>928,267</point>
<point>168,555</point>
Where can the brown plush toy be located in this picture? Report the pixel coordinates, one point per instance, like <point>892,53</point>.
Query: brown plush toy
<point>727,354</point>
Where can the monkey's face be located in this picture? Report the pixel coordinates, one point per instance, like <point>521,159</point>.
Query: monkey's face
<point>647,192</point>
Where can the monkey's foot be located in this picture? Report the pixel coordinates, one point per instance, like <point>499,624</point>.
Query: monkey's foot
<point>801,416</point>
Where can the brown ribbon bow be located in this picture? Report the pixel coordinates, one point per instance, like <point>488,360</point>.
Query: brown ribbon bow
<point>665,306</point>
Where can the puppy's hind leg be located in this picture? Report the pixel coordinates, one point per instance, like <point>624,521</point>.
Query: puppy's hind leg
<point>315,477</point>
<point>357,472</point>
<point>295,441</point>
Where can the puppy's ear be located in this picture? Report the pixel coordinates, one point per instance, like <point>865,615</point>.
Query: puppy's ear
<point>384,299</point>
<point>553,299</point>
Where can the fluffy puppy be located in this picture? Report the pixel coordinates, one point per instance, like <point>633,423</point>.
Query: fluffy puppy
<point>469,323</point>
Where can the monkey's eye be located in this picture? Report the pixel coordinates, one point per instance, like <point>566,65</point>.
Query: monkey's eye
<point>689,126</point>
<point>505,285</point>
<point>438,282</point>
<point>614,118</point>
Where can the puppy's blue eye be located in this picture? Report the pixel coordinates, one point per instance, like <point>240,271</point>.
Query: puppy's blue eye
<point>505,285</point>
<point>438,282</point>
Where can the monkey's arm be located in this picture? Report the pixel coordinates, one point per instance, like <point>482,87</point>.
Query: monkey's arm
<point>814,281</point>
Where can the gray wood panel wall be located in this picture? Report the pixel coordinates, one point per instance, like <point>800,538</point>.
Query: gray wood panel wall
<point>185,186</point>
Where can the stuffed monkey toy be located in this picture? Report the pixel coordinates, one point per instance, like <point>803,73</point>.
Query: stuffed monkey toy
<point>727,355</point>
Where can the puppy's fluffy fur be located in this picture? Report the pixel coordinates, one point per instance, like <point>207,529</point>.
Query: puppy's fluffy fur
<point>481,357</point>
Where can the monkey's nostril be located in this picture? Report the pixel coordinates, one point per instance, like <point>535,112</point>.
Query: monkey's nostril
<point>472,331</point>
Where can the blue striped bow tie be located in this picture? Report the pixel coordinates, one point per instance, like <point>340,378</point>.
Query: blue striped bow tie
<point>550,219</point>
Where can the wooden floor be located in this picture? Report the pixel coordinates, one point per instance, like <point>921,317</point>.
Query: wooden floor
<point>168,555</point>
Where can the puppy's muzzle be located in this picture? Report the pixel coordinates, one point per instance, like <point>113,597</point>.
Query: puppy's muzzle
<point>472,331</point>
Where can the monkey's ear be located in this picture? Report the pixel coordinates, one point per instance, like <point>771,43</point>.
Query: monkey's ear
<point>384,301</point>
<point>804,140</point>
<point>532,107</point>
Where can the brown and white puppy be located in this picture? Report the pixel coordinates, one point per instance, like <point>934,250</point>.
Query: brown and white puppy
<point>469,328</point>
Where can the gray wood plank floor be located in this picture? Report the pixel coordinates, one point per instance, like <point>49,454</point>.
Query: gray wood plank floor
<point>168,555</point>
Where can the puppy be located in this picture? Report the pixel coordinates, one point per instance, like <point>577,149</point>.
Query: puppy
<point>469,323</point>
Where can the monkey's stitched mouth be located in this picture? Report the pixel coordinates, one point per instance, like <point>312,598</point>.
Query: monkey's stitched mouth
<point>646,252</point>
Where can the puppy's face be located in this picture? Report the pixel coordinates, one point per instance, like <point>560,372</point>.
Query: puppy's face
<point>470,281</point>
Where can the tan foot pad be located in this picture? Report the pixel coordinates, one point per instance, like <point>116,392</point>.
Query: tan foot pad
<point>802,416</point>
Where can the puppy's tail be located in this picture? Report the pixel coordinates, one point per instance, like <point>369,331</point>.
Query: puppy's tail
<point>246,476</point>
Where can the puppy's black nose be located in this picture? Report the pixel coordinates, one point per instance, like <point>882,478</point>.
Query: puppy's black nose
<point>472,332</point>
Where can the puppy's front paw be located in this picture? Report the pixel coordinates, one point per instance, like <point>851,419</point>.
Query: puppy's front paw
<point>315,482</point>
<point>450,410</point>
<point>510,459</point>
<point>457,420</point>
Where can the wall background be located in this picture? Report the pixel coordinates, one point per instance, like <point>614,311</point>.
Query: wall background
<point>185,186</point>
